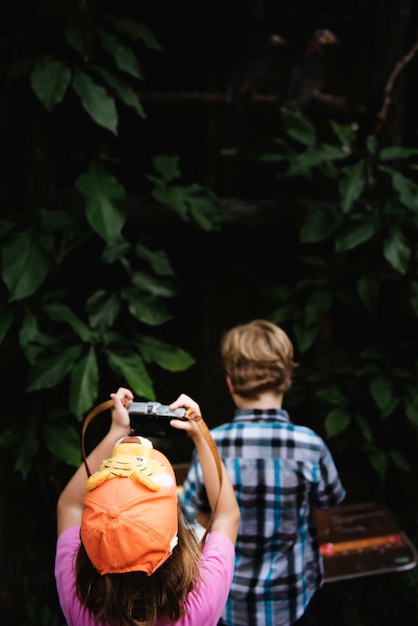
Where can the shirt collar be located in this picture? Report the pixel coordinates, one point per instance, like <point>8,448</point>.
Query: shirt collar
<point>259,415</point>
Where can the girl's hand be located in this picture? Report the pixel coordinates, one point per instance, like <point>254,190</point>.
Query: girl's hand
<point>184,401</point>
<point>121,399</point>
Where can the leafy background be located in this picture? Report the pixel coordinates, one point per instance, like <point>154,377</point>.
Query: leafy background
<point>162,180</point>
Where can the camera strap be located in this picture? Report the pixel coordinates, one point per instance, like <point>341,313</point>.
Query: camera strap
<point>191,415</point>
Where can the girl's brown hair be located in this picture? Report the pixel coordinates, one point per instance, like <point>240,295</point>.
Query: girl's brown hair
<point>135,599</point>
<point>257,357</point>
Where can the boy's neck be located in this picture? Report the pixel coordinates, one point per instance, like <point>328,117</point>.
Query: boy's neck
<point>266,400</point>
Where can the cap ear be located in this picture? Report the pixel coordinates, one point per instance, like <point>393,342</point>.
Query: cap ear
<point>97,479</point>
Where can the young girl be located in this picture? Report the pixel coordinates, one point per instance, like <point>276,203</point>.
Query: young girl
<point>124,555</point>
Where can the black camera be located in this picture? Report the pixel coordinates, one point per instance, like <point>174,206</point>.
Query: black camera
<point>152,419</point>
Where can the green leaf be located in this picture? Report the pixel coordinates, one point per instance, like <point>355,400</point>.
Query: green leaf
<point>303,164</point>
<point>373,352</point>
<point>318,303</point>
<point>50,371</point>
<point>332,395</point>
<point>270,157</point>
<point>31,339</point>
<point>357,233</point>
<point>115,251</point>
<point>166,355</point>
<point>281,292</point>
<point>193,201</point>
<point>372,144</point>
<point>381,389</point>
<point>411,411</point>
<point>414,296</point>
<point>406,188</point>
<point>103,309</point>
<point>6,320</point>
<point>133,373</point>
<point>28,447</point>
<point>153,285</point>
<point>136,31</point>
<point>346,135</point>
<point>204,207</point>
<point>167,166</point>
<point>125,93</point>
<point>96,101</point>
<point>157,259</point>
<point>122,55</point>
<point>318,226</point>
<point>105,198</point>
<point>368,290</point>
<point>411,402</point>
<point>304,336</point>
<point>80,36</point>
<point>62,313</point>
<point>25,263</point>
<point>396,152</point>
<point>50,82</point>
<point>364,426</point>
<point>8,437</point>
<point>61,222</point>
<point>298,127</point>
<point>173,197</point>
<point>400,460</point>
<point>306,284</point>
<point>312,261</point>
<point>84,384</point>
<point>336,422</point>
<point>63,441</point>
<point>379,461</point>
<point>146,308</point>
<point>352,186</point>
<point>397,251</point>
<point>282,314</point>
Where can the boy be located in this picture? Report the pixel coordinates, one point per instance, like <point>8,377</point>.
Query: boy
<point>282,474</point>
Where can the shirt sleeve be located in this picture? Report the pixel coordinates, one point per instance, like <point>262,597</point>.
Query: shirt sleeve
<point>193,495</point>
<point>330,490</point>
<point>67,545</point>
<point>205,603</point>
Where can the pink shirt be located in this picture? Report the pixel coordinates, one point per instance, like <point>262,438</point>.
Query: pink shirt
<point>204,604</point>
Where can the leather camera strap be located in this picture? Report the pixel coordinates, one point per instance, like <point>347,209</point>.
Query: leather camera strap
<point>191,415</point>
<point>98,409</point>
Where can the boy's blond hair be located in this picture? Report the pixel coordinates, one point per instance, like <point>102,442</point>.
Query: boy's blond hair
<point>258,357</point>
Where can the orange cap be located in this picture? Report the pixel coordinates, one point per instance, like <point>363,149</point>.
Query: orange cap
<point>128,527</point>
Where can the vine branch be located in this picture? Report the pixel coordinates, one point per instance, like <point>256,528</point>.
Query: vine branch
<point>389,87</point>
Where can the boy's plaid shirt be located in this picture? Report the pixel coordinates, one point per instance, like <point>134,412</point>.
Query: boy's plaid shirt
<point>279,470</point>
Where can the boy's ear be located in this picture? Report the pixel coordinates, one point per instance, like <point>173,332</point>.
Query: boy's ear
<point>230,385</point>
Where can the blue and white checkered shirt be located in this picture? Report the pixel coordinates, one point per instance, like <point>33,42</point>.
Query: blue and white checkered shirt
<point>279,470</point>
